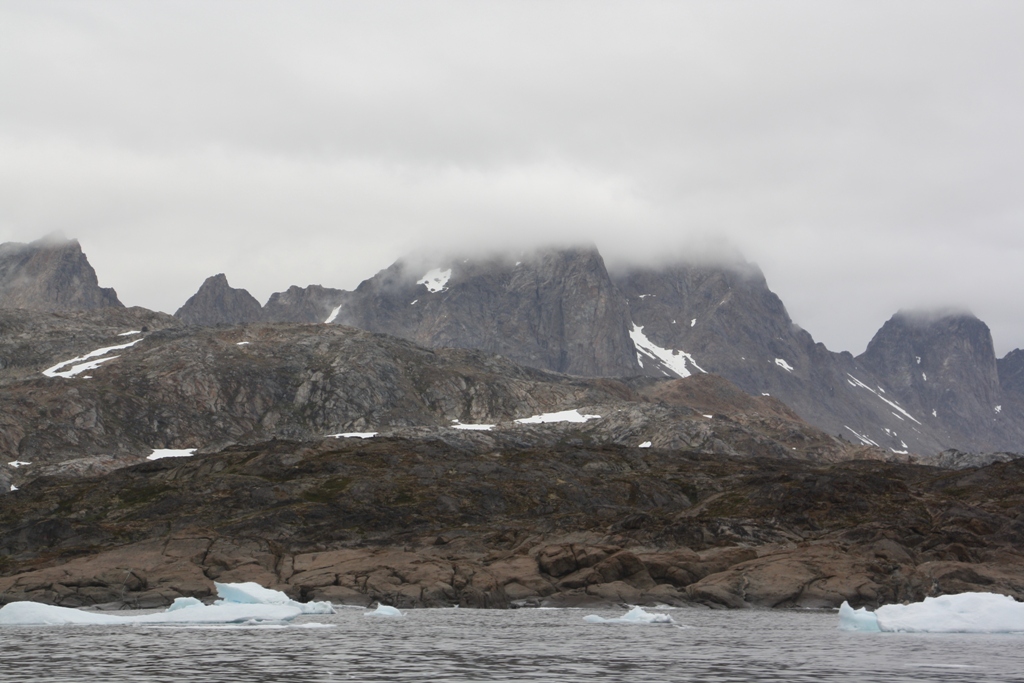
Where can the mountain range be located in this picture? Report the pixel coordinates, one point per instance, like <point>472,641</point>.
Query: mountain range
<point>927,382</point>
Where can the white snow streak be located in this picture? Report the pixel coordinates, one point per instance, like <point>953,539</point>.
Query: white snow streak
<point>674,360</point>
<point>857,383</point>
<point>999,409</point>
<point>171,453</point>
<point>784,365</point>
<point>435,280</point>
<point>130,333</point>
<point>865,440</point>
<point>353,435</point>
<point>645,444</point>
<point>693,322</point>
<point>88,364</point>
<point>333,315</point>
<point>563,416</point>
<point>18,463</point>
<point>472,427</point>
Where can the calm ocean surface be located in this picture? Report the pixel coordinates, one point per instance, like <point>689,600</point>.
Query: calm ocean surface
<point>516,645</point>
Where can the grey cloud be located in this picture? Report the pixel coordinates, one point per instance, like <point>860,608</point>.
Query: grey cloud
<point>867,155</point>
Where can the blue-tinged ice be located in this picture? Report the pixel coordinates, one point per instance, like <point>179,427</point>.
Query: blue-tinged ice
<point>962,613</point>
<point>182,603</point>
<point>637,615</point>
<point>384,611</point>
<point>252,593</point>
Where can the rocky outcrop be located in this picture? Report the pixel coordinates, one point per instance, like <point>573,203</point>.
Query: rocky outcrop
<point>554,310</point>
<point>312,304</point>
<point>417,522</point>
<point>218,303</point>
<point>147,381</point>
<point>51,274</point>
<point>1011,372</point>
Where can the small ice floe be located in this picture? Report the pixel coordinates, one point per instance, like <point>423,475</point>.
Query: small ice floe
<point>637,615</point>
<point>333,315</point>
<point>251,593</point>
<point>130,333</point>
<point>353,435</point>
<point>384,611</point>
<point>18,463</point>
<point>239,604</point>
<point>563,416</point>
<point>645,444</point>
<point>435,280</point>
<point>783,364</point>
<point>962,613</point>
<point>89,361</point>
<point>160,453</point>
<point>473,428</point>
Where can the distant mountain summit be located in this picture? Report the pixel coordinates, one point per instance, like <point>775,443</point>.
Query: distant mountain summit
<point>51,274</point>
<point>218,303</point>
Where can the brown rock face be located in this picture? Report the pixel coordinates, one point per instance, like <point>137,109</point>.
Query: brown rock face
<point>50,274</point>
<point>554,310</point>
<point>218,303</point>
<point>421,523</point>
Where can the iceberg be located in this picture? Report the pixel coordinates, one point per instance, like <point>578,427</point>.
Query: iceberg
<point>240,603</point>
<point>251,593</point>
<point>637,615</point>
<point>961,613</point>
<point>384,611</point>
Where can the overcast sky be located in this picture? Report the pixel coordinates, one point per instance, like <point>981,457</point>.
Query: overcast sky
<point>869,156</point>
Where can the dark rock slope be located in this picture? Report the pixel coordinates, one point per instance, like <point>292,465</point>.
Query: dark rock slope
<point>423,522</point>
<point>555,310</point>
<point>51,274</point>
<point>312,304</point>
<point>118,384</point>
<point>218,303</point>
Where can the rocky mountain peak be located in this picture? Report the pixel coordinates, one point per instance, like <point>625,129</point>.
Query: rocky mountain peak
<point>554,309</point>
<point>1011,371</point>
<point>50,274</point>
<point>218,303</point>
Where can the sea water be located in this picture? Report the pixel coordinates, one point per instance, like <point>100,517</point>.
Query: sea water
<point>440,645</point>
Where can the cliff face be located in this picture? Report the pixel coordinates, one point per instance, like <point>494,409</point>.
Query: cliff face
<point>218,303</point>
<point>1011,372</point>
<point>312,304</point>
<point>555,310</point>
<point>50,275</point>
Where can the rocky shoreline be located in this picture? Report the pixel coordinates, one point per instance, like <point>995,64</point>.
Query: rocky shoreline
<point>419,523</point>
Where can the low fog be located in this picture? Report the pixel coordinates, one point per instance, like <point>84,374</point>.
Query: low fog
<point>868,156</point>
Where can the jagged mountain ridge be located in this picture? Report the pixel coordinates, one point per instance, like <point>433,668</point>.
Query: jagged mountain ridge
<point>561,310</point>
<point>50,274</point>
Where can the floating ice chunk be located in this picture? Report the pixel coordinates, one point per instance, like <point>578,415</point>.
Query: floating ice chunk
<point>784,365</point>
<point>857,619</point>
<point>89,361</point>
<point>673,360</point>
<point>18,463</point>
<point>251,593</point>
<point>35,614</point>
<point>645,444</point>
<point>353,435</point>
<point>962,613</point>
<point>182,603</point>
<point>130,333</point>
<point>171,453</point>
<point>472,428</point>
<point>334,314</point>
<point>435,280</point>
<point>637,615</point>
<point>563,416</point>
<point>384,611</point>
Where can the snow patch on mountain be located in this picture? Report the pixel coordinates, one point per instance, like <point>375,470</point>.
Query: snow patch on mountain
<point>853,381</point>
<point>671,359</point>
<point>781,362</point>
<point>436,280</point>
<point>89,361</point>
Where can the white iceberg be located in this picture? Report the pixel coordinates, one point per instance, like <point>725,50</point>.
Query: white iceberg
<point>384,611</point>
<point>251,593</point>
<point>562,416</point>
<point>240,603</point>
<point>637,615</point>
<point>962,613</point>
